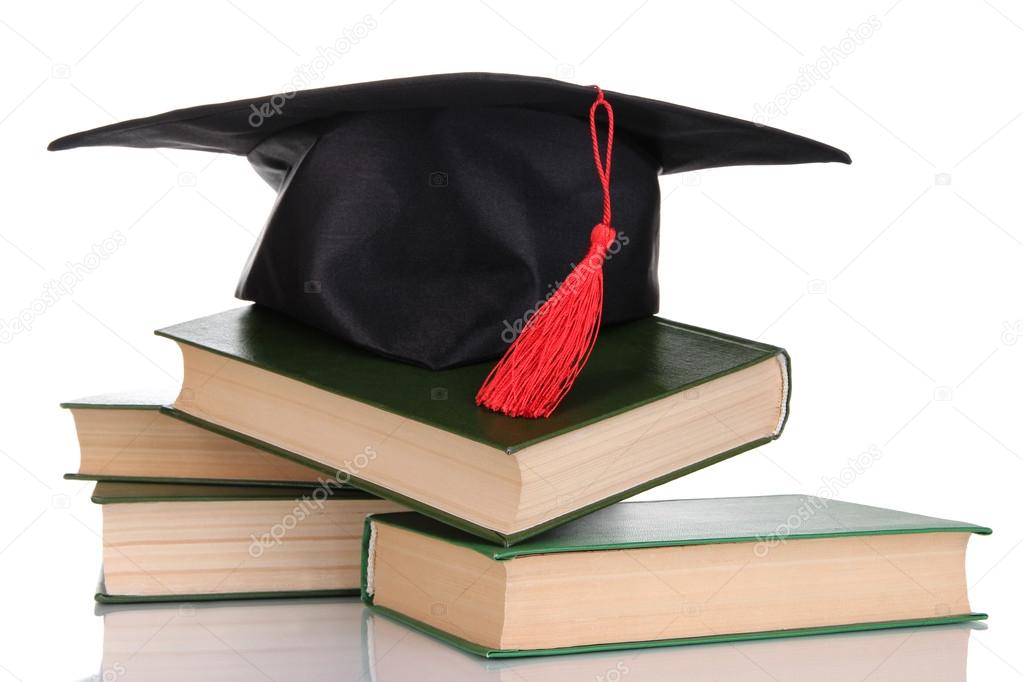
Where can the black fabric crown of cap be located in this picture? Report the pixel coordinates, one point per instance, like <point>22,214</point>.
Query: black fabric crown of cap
<point>427,218</point>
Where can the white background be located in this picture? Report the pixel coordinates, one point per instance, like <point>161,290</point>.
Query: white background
<point>895,283</point>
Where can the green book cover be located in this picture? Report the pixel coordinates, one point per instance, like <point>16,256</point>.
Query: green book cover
<point>142,399</point>
<point>123,492</point>
<point>630,525</point>
<point>103,597</point>
<point>633,364</point>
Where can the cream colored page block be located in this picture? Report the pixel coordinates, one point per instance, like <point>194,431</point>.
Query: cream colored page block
<point>595,597</point>
<point>407,456</point>
<point>663,593</point>
<point>208,547</point>
<point>651,441</point>
<point>456,589</point>
<point>146,443</point>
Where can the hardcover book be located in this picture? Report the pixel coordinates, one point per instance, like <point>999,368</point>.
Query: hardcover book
<point>176,542</point>
<point>657,400</point>
<point>125,437</point>
<point>645,574</point>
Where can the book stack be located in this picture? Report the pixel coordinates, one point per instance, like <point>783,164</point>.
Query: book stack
<point>351,432</point>
<point>280,431</point>
<point>187,512</point>
<point>273,472</point>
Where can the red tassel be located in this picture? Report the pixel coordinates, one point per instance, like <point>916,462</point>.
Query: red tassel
<point>541,365</point>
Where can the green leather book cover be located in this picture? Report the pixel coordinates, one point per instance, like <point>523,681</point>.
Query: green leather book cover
<point>632,364</point>
<point>141,399</point>
<point>103,597</point>
<point>670,523</point>
<point>682,522</point>
<point>96,478</point>
<point>118,492</point>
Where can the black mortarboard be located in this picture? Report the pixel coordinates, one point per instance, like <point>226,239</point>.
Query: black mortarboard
<point>425,218</point>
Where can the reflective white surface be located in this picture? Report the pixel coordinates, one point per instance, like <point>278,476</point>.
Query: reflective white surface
<point>339,640</point>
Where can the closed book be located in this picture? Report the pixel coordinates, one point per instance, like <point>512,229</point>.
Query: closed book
<point>648,574</point>
<point>125,437</point>
<point>178,542</point>
<point>657,400</point>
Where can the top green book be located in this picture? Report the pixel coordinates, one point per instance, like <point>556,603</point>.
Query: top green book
<point>634,364</point>
<point>657,399</point>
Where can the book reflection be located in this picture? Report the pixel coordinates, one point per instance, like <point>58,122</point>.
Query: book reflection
<point>339,640</point>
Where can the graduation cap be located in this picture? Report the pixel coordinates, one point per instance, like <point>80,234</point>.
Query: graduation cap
<point>444,220</point>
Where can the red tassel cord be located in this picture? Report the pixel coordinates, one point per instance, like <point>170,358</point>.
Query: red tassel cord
<point>540,366</point>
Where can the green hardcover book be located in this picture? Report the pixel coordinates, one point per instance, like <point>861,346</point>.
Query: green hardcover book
<point>657,400</point>
<point>174,542</point>
<point>125,437</point>
<point>648,574</point>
